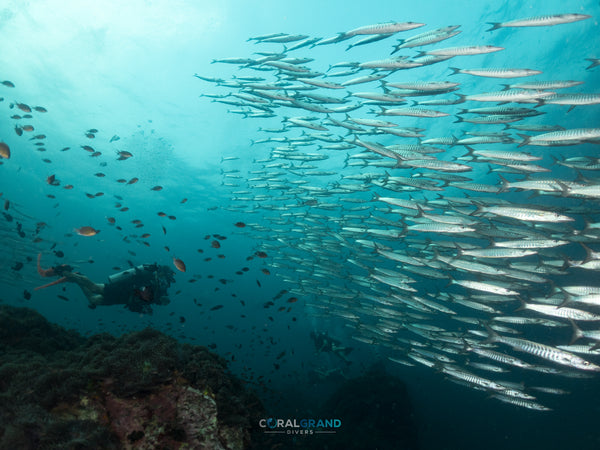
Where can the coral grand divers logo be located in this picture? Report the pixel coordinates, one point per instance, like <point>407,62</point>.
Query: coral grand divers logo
<point>300,426</point>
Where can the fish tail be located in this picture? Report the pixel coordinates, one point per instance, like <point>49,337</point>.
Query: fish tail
<point>577,333</point>
<point>526,139</point>
<point>492,335</point>
<point>495,25</point>
<point>454,70</point>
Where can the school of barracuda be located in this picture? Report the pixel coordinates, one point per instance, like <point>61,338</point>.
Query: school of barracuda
<point>399,242</point>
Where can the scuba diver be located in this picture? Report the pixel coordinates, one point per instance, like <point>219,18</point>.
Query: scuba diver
<point>325,343</point>
<point>136,288</point>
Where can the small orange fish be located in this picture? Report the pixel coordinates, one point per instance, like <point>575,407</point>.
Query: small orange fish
<point>161,214</point>
<point>240,224</point>
<point>179,264</point>
<point>292,300</point>
<point>215,244</point>
<point>133,180</point>
<point>4,151</point>
<point>110,219</point>
<point>265,271</point>
<point>145,235</point>
<point>86,231</point>
<point>261,254</point>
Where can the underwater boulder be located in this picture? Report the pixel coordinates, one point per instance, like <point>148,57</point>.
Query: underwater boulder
<point>375,411</point>
<point>139,391</point>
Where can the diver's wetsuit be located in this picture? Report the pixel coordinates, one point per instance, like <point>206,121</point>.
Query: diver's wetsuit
<point>136,288</point>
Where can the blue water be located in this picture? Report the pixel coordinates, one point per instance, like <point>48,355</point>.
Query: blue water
<point>127,71</point>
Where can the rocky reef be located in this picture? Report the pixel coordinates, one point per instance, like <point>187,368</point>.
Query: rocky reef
<point>143,390</point>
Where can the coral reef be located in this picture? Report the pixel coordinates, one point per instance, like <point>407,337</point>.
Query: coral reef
<point>143,390</point>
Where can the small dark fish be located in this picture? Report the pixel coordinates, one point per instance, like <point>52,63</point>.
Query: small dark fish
<point>87,148</point>
<point>26,294</point>
<point>215,244</point>
<point>181,319</point>
<point>23,107</point>
<point>292,300</point>
<point>18,130</point>
<point>258,283</point>
<point>183,200</point>
<point>18,266</point>
<point>268,304</point>
<point>133,180</point>
<point>281,355</point>
<point>214,308</point>
<point>99,174</point>
<point>280,294</point>
<point>240,224</point>
<point>123,155</point>
<point>59,253</point>
<point>265,271</point>
<point>261,254</point>
<point>161,214</point>
<point>164,230</point>
<point>114,138</point>
<point>156,188</point>
<point>52,181</point>
<point>92,130</point>
<point>172,217</point>
<point>40,109</point>
<point>8,217</point>
<point>64,149</point>
<point>245,269</point>
<point>62,297</point>
<point>8,83</point>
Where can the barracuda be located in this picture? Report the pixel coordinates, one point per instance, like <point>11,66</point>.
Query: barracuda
<point>543,351</point>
